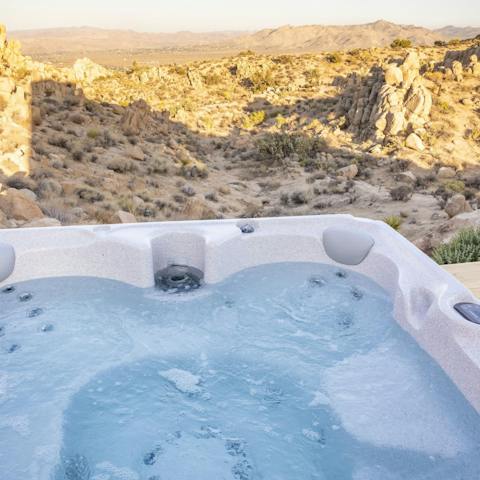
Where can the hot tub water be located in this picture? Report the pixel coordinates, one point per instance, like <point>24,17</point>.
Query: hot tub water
<point>288,371</point>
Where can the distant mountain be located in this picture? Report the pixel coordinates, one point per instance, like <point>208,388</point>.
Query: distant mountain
<point>308,38</point>
<point>80,39</point>
<point>462,33</point>
<point>333,37</point>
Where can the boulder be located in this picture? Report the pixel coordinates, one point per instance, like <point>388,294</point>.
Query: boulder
<point>123,217</point>
<point>18,206</point>
<point>445,173</point>
<point>348,172</point>
<point>136,153</point>
<point>87,71</point>
<point>136,118</point>
<point>457,205</point>
<point>406,177</point>
<point>43,222</point>
<point>414,142</point>
<point>393,75</point>
<point>457,69</point>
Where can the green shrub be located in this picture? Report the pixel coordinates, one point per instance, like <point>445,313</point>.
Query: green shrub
<point>334,57</point>
<point>456,186</point>
<point>463,248</point>
<point>261,81</point>
<point>475,134</point>
<point>93,133</point>
<point>280,121</point>
<point>394,222</point>
<point>454,42</point>
<point>401,43</point>
<point>253,119</point>
<point>444,107</point>
<point>277,147</point>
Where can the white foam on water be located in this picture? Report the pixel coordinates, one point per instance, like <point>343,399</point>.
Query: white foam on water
<point>380,398</point>
<point>375,473</point>
<point>184,381</point>
<point>19,424</point>
<point>108,471</point>
<point>320,399</point>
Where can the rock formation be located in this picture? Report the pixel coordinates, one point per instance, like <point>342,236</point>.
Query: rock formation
<point>87,71</point>
<point>390,101</point>
<point>457,63</point>
<point>135,118</point>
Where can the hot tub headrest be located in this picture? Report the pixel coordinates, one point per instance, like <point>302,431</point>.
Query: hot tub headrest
<point>347,246</point>
<point>7,260</point>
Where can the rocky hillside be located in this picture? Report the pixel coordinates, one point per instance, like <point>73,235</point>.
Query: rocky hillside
<point>390,134</point>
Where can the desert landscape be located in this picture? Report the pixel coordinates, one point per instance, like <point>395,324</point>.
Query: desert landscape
<point>380,121</point>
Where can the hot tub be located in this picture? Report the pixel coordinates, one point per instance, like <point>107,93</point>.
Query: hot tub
<point>321,347</point>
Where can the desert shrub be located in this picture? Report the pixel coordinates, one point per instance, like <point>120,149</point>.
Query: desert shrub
<point>72,101</point>
<point>393,221</point>
<point>454,42</point>
<point>212,79</point>
<point>280,121</point>
<point>474,134</point>
<point>247,53</point>
<point>313,76</point>
<point>456,186</point>
<point>59,141</point>
<point>77,155</point>
<point>105,139</point>
<point>77,118</point>
<point>401,43</point>
<point>93,133</point>
<point>121,165</point>
<point>463,248</point>
<point>253,119</point>
<point>20,181</point>
<point>444,107</point>
<point>440,43</point>
<point>261,80</point>
<point>89,195</point>
<point>284,59</point>
<point>334,57</point>
<point>54,209</point>
<point>299,197</point>
<point>277,147</point>
<point>21,73</point>
<point>403,193</point>
<point>179,70</point>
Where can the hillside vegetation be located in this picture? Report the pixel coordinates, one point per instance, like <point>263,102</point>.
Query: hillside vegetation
<point>380,132</point>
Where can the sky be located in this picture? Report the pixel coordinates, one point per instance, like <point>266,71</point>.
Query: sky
<point>218,15</point>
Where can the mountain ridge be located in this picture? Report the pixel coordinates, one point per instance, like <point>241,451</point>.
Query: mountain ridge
<point>114,47</point>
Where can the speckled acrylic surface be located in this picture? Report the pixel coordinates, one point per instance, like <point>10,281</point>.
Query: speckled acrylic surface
<point>423,293</point>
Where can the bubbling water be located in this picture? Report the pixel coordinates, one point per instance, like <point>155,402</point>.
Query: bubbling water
<point>281,372</point>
